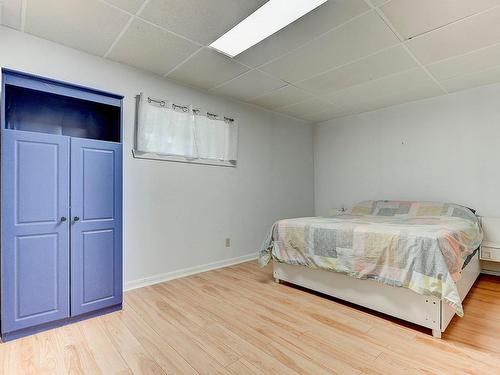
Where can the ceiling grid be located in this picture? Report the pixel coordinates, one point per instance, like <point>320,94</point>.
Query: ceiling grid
<point>342,58</point>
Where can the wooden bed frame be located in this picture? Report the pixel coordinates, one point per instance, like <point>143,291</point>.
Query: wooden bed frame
<point>402,303</point>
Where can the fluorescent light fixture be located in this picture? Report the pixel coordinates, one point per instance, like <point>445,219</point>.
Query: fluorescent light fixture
<point>265,21</point>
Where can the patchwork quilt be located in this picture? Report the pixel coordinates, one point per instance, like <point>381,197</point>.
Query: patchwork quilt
<point>416,245</point>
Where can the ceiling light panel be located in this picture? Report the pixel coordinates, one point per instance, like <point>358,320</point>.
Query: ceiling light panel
<point>324,18</point>
<point>265,21</point>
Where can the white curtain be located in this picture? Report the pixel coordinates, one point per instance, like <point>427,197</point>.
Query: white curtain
<point>166,129</point>
<point>215,138</point>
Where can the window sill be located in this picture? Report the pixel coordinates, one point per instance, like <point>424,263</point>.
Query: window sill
<point>182,159</point>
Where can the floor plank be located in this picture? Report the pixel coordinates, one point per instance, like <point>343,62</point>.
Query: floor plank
<point>236,321</point>
<point>78,358</point>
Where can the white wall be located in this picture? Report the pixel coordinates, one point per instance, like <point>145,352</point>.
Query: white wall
<point>177,216</point>
<point>440,149</point>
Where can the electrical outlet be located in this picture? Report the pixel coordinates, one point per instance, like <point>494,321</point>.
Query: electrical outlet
<point>228,242</point>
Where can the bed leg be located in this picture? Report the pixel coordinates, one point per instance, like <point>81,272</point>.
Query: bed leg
<point>436,333</point>
<point>276,280</point>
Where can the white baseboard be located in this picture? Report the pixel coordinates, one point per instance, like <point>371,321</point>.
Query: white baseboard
<point>139,283</point>
<point>490,272</point>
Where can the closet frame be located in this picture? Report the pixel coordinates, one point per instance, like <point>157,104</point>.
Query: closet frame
<point>66,140</point>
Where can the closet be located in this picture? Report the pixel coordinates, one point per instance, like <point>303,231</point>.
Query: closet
<point>61,203</point>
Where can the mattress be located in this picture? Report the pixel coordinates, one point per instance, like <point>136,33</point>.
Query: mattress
<point>469,257</point>
<point>421,246</point>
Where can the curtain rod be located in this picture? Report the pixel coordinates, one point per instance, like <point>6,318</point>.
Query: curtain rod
<point>184,108</point>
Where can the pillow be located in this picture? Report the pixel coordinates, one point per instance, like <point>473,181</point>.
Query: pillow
<point>363,208</point>
<point>412,209</point>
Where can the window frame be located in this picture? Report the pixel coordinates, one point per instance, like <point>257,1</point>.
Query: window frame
<point>138,154</point>
<point>182,159</point>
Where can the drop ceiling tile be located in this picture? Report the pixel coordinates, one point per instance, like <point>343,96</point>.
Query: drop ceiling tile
<point>131,6</point>
<point>201,21</point>
<point>148,47</point>
<point>207,69</point>
<point>10,13</point>
<point>388,61</point>
<point>360,37</point>
<point>388,85</point>
<point>249,85</point>
<point>472,62</point>
<point>88,25</point>
<point>458,38</point>
<point>378,3</point>
<point>409,95</point>
<point>281,97</point>
<point>398,88</point>
<point>485,77</point>
<point>329,113</point>
<point>412,17</point>
<point>306,108</point>
<point>322,19</point>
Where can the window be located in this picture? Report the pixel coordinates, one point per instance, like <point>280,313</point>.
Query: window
<point>168,131</point>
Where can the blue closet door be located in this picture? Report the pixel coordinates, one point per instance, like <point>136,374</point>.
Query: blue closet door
<point>35,236</point>
<point>96,225</point>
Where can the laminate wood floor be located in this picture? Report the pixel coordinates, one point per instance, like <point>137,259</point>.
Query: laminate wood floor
<point>236,320</point>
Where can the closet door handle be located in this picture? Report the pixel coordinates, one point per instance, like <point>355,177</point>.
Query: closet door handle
<point>76,218</point>
<point>63,219</point>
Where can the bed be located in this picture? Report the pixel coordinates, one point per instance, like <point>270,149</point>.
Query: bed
<point>413,260</point>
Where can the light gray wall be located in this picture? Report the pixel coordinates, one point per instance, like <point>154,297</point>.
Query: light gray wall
<point>439,149</point>
<point>177,216</point>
